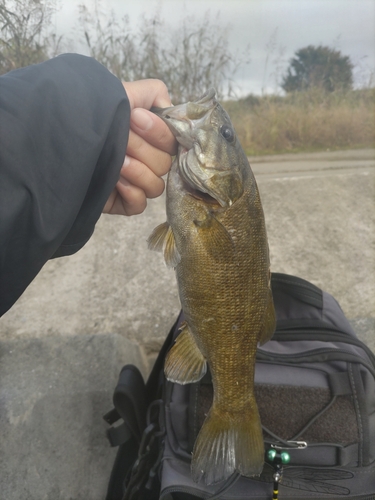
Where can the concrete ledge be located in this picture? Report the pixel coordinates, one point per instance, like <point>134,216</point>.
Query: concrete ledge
<point>365,330</point>
<point>321,228</point>
<point>64,342</point>
<point>54,392</point>
<point>315,159</point>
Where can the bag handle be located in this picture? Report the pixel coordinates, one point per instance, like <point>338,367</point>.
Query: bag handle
<point>130,405</point>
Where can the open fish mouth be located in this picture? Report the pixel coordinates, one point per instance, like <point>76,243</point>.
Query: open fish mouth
<point>186,119</point>
<point>189,123</point>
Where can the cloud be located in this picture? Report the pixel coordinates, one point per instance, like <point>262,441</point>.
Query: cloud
<point>347,25</point>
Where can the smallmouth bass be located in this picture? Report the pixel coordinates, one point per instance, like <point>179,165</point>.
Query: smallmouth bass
<point>215,238</point>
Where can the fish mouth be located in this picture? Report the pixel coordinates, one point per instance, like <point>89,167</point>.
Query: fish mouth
<point>184,120</point>
<point>188,123</point>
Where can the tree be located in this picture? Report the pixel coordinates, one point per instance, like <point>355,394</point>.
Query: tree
<point>320,67</point>
<point>189,58</point>
<point>24,37</point>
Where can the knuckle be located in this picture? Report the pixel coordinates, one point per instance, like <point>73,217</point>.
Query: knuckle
<point>157,190</point>
<point>136,172</point>
<point>160,85</point>
<point>165,164</point>
<point>135,141</point>
<point>136,204</point>
<point>163,87</point>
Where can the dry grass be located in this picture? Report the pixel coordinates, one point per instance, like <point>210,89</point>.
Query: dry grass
<point>305,121</point>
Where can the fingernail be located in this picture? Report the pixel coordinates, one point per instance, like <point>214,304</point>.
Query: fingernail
<point>126,161</point>
<point>141,119</point>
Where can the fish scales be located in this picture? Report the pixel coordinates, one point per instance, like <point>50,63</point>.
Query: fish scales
<point>215,238</point>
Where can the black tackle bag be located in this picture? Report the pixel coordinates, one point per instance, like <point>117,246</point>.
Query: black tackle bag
<point>315,389</point>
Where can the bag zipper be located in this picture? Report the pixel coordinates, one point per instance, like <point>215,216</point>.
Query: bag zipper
<point>315,355</point>
<point>292,335</point>
<point>198,494</point>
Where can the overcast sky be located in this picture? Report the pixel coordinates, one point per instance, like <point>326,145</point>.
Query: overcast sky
<point>346,25</point>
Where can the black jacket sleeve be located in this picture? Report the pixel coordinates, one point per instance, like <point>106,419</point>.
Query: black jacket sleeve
<point>64,128</point>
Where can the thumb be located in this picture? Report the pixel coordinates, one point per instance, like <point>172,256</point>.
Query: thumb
<point>147,93</point>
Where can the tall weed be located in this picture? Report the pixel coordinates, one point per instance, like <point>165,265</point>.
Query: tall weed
<point>305,121</point>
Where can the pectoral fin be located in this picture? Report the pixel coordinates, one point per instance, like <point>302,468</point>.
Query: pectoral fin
<point>270,322</point>
<point>162,240</point>
<point>216,238</point>
<point>185,363</point>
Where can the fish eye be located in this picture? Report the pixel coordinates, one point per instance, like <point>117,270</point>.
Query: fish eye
<point>227,132</point>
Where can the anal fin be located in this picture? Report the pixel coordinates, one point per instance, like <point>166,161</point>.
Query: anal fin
<point>184,363</point>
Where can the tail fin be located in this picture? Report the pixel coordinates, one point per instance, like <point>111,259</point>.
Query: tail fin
<point>228,443</point>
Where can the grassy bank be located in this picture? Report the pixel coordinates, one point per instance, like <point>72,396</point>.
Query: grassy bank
<point>305,121</point>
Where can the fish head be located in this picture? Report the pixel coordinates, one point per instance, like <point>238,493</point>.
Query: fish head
<point>210,158</point>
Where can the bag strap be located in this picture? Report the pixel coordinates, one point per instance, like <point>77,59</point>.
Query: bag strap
<point>130,406</point>
<point>125,458</point>
<point>298,288</point>
<point>131,399</point>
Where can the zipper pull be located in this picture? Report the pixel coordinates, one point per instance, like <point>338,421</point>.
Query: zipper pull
<point>277,459</point>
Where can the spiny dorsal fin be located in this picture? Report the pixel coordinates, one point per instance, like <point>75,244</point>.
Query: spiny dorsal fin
<point>162,240</point>
<point>185,363</point>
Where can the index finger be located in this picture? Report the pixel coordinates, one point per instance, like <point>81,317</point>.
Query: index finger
<point>153,130</point>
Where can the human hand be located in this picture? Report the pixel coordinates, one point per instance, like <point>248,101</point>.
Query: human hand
<point>149,150</point>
